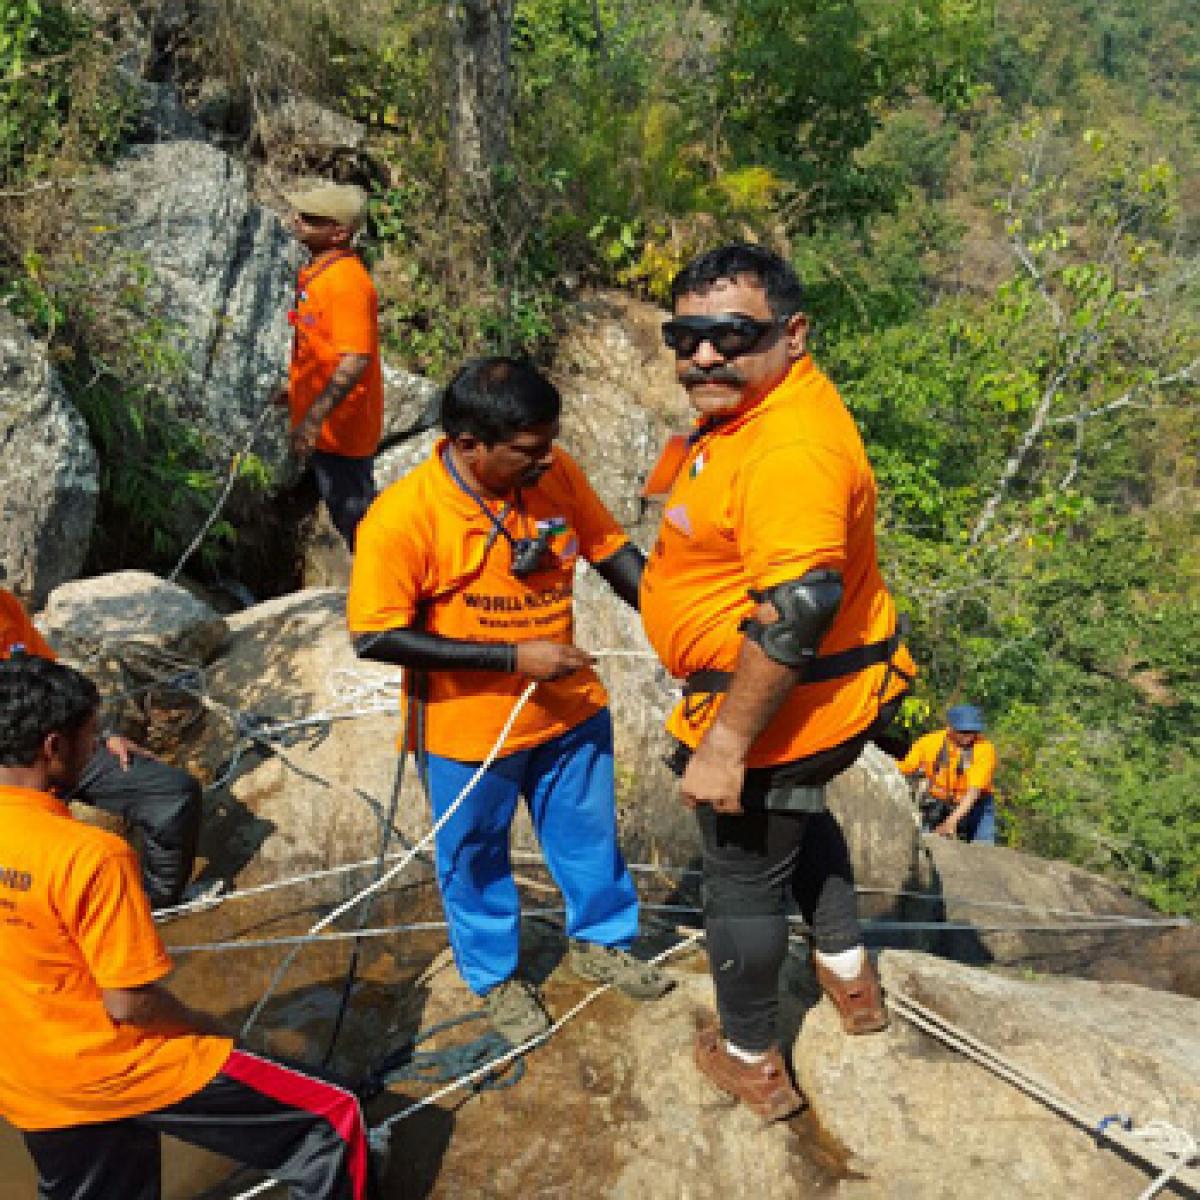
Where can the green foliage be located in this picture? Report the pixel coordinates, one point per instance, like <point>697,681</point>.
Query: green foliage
<point>56,89</point>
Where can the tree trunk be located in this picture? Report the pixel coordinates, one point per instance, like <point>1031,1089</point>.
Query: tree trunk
<point>481,94</point>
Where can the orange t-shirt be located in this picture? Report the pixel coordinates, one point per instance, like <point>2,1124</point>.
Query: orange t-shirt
<point>763,498</point>
<point>16,629</point>
<point>426,549</point>
<point>946,780</point>
<point>74,920</point>
<point>337,313</point>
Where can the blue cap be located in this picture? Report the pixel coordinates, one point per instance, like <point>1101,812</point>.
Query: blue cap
<point>966,718</point>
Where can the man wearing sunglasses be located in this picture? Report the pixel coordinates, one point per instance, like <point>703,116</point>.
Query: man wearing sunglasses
<point>763,594</point>
<point>334,392</point>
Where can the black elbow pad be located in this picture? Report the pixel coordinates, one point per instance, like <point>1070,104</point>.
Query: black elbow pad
<point>806,608</point>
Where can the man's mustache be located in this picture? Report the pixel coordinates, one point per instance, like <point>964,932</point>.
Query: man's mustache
<point>722,374</point>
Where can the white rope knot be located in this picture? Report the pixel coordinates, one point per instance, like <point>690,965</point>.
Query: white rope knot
<point>1171,1141</point>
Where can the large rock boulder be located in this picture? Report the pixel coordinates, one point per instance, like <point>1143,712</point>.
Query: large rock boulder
<point>326,797</point>
<point>620,399</point>
<point>219,269</point>
<point>92,617</point>
<point>921,1120</point>
<point>50,474</point>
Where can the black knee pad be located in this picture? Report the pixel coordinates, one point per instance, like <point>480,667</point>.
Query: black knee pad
<point>727,897</point>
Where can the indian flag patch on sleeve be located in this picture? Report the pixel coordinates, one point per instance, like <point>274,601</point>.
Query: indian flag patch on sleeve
<point>554,526</point>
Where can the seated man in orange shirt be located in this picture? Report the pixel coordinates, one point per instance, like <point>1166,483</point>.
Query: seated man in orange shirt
<point>159,803</point>
<point>335,382</point>
<point>956,766</point>
<point>763,593</point>
<point>464,575</point>
<point>99,1058</point>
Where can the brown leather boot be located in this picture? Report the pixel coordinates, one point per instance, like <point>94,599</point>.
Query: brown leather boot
<point>763,1087</point>
<point>858,1000</point>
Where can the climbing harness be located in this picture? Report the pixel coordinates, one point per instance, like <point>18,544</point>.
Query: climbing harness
<point>700,688</point>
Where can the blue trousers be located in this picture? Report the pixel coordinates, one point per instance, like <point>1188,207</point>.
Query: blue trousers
<point>568,785</point>
<point>979,825</point>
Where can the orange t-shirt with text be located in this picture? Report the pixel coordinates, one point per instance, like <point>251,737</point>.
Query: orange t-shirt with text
<point>426,550</point>
<point>337,313</point>
<point>946,780</point>
<point>74,920</point>
<point>16,629</point>
<point>762,498</point>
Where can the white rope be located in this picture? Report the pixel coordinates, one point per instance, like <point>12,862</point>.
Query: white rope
<point>487,1068</point>
<point>339,935</point>
<point>381,1131</point>
<point>1169,1140</point>
<point>234,466</point>
<point>390,874</point>
<point>1100,921</point>
<point>1156,1147</point>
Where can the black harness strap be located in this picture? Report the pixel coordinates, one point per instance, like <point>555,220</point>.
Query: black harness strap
<point>706,684</point>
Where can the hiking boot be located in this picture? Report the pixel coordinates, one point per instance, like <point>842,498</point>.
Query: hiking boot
<point>516,1011</point>
<point>763,1087</point>
<point>607,964</point>
<point>859,1001</point>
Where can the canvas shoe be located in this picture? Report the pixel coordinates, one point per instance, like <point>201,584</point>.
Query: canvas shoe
<point>607,964</point>
<point>515,1011</point>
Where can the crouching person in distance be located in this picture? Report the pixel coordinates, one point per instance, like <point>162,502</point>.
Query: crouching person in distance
<point>99,1057</point>
<point>464,574</point>
<point>763,593</point>
<point>953,769</point>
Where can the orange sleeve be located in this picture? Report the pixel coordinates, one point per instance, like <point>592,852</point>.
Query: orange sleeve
<point>983,767</point>
<point>16,629</point>
<point>918,756</point>
<point>351,312</point>
<point>113,927</point>
<point>792,513</point>
<point>600,536</point>
<point>391,570</point>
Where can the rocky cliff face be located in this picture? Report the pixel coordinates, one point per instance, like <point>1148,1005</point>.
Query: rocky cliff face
<point>50,473</point>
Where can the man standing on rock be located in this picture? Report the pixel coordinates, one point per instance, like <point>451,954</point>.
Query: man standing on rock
<point>764,594</point>
<point>99,1057</point>
<point>956,766</point>
<point>159,803</point>
<point>464,575</point>
<point>335,383</point>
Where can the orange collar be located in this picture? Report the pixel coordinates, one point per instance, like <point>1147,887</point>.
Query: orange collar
<point>779,394</point>
<point>19,797</point>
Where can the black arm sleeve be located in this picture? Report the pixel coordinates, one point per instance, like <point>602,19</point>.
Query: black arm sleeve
<point>429,651</point>
<point>622,572</point>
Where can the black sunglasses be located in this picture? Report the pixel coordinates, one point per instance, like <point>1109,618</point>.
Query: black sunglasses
<point>313,219</point>
<point>730,334</point>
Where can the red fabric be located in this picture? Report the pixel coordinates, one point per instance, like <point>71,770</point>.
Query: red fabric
<point>336,1105</point>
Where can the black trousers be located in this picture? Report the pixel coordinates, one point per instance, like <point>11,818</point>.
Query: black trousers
<point>753,863</point>
<point>162,804</point>
<point>347,485</point>
<point>302,1130</point>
